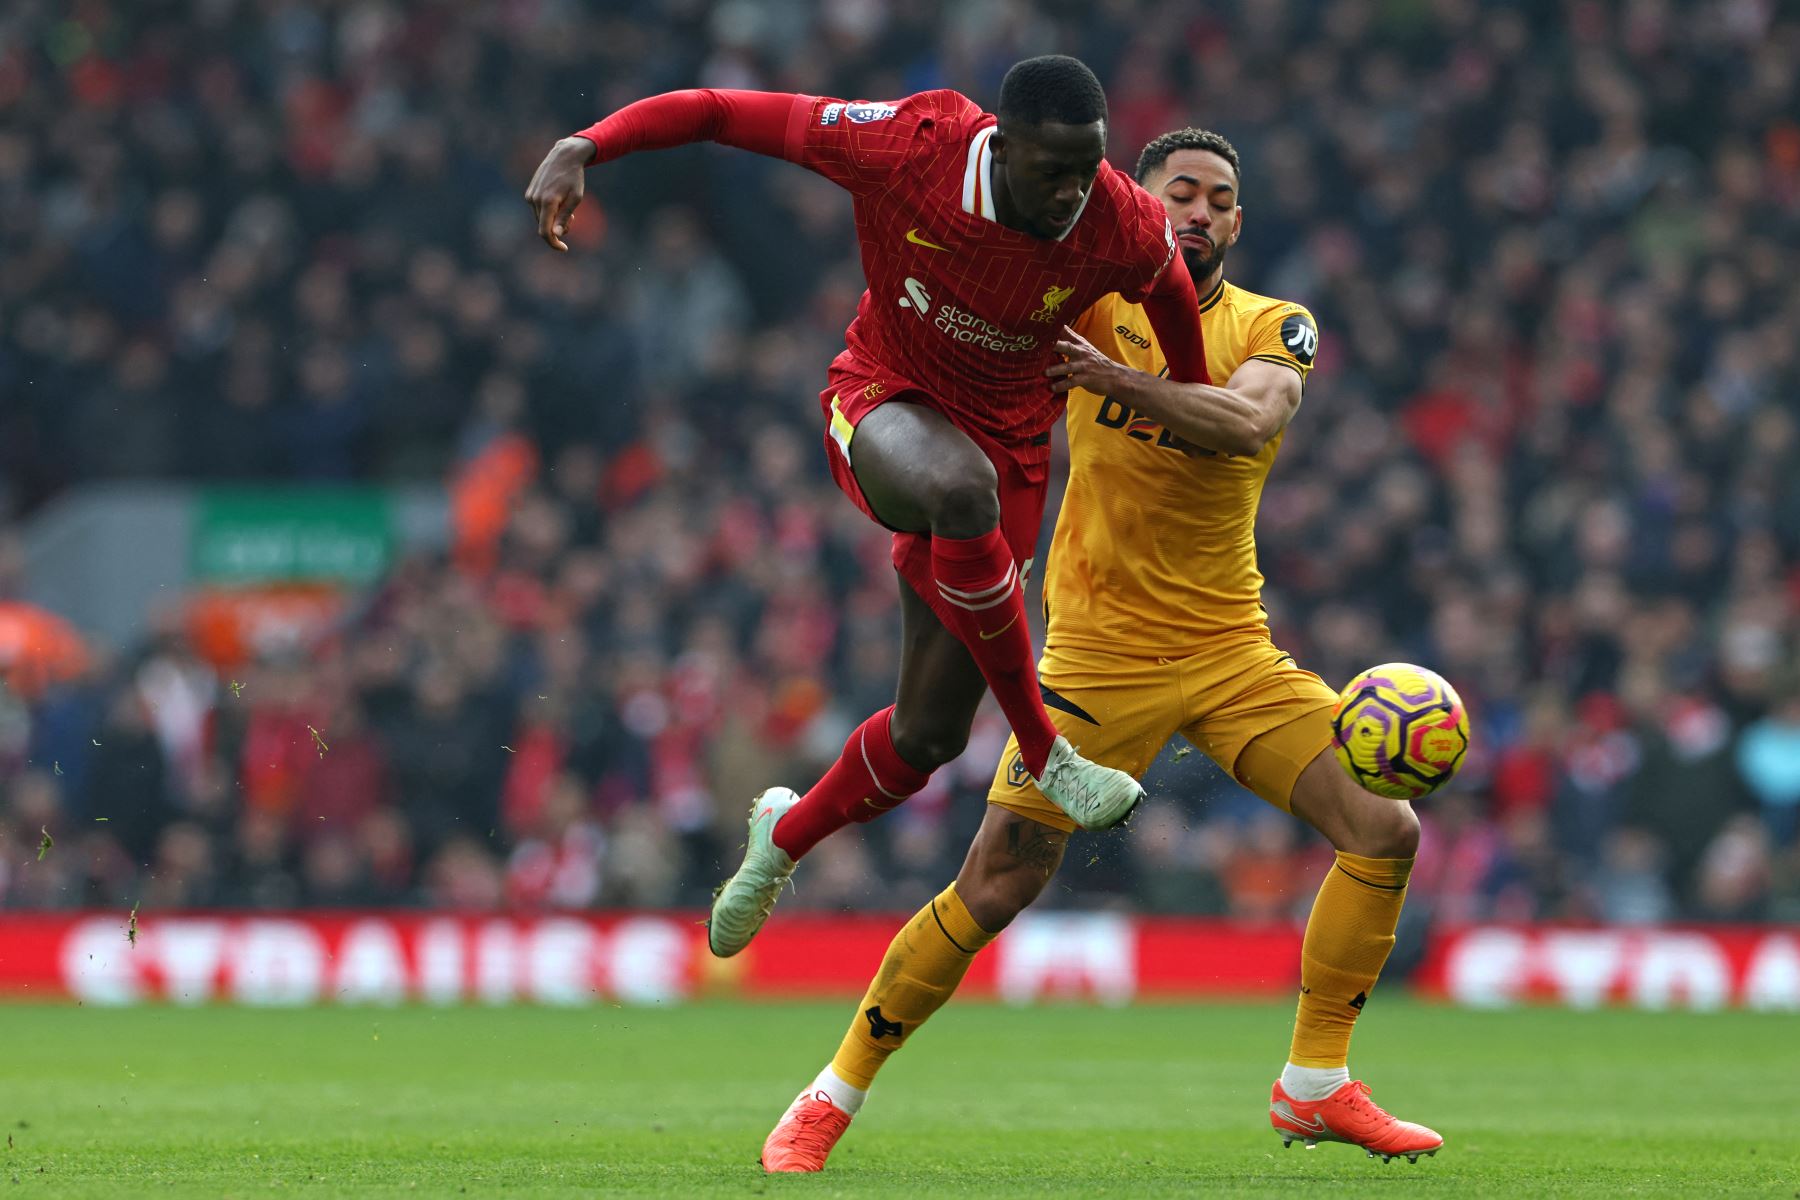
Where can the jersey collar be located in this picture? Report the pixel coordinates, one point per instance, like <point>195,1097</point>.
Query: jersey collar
<point>978,192</point>
<point>1213,297</point>
<point>978,182</point>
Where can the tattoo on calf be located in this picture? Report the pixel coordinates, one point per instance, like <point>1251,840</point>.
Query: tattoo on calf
<point>1032,845</point>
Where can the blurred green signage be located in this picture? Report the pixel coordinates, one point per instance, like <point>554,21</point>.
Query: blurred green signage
<point>272,535</point>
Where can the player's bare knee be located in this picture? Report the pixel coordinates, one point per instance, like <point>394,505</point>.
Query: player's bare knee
<point>1353,820</point>
<point>1386,829</point>
<point>927,745</point>
<point>1404,833</point>
<point>966,507</point>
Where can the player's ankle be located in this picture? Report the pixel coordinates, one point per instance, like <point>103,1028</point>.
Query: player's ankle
<point>1313,1083</point>
<point>842,1094</point>
<point>793,846</point>
<point>1035,749</point>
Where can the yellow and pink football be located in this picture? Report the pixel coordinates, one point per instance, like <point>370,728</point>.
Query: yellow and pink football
<point>1400,731</point>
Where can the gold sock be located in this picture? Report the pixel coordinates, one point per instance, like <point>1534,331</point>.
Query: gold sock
<point>1348,938</point>
<point>924,963</point>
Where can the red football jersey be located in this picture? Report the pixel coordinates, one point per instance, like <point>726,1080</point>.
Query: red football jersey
<point>959,305</point>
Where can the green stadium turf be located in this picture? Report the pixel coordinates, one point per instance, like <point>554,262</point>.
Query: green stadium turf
<point>988,1101</point>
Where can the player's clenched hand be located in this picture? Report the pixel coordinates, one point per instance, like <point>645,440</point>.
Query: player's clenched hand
<point>1085,366</point>
<point>557,187</point>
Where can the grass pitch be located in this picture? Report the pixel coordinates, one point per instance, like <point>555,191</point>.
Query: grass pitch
<point>988,1101</point>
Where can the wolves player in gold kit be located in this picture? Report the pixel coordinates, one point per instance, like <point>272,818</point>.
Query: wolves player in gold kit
<point>1156,628</point>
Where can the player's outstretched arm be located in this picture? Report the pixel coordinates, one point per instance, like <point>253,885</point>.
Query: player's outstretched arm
<point>758,121</point>
<point>1239,418</point>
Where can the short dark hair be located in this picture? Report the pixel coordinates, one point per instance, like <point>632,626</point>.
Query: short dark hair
<point>1051,87</point>
<point>1157,152</point>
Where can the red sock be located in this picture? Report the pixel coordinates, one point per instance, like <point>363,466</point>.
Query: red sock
<point>978,583</point>
<point>868,778</point>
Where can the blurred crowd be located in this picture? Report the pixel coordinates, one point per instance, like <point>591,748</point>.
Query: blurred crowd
<point>1550,447</point>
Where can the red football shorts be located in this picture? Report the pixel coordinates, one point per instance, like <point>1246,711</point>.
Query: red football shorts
<point>1023,468</point>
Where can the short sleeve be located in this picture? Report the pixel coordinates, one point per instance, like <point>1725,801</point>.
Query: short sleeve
<point>1286,334</point>
<point>860,144</point>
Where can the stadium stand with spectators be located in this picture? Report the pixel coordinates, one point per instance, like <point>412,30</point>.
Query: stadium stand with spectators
<point>1550,446</point>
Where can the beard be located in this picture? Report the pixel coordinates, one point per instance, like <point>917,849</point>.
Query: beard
<point>1202,262</point>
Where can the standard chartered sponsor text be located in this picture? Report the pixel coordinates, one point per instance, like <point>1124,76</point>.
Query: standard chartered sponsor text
<point>965,326</point>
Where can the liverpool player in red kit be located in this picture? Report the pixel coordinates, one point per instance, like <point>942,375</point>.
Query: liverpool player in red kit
<point>979,237</point>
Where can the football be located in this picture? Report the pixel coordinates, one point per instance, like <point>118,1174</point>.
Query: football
<point>1400,731</point>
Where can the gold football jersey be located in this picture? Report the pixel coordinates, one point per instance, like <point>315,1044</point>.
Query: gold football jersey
<point>1154,552</point>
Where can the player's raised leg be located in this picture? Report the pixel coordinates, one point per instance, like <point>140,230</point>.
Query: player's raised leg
<point>1348,938</point>
<point>919,471</point>
<point>965,631</point>
<point>1009,864</point>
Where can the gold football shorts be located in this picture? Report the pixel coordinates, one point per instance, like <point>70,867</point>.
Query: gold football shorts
<point>1243,703</point>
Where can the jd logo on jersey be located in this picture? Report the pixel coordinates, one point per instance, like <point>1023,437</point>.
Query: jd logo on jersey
<point>1301,337</point>
<point>1054,299</point>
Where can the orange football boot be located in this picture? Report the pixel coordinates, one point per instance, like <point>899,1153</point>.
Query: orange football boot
<point>803,1138</point>
<point>1349,1115</point>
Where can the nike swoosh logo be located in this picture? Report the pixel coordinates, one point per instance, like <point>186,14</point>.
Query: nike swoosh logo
<point>988,637</point>
<point>912,235</point>
<point>1315,1125</point>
